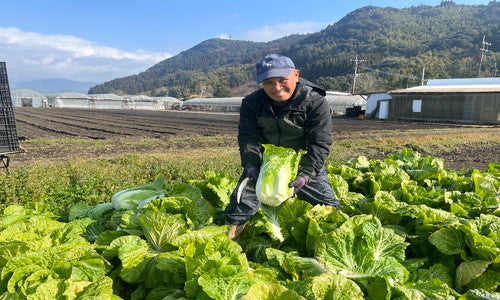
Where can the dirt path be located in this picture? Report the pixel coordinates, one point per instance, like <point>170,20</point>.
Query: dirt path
<point>143,131</point>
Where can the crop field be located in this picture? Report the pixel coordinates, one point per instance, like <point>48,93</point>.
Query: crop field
<point>126,204</point>
<point>64,133</point>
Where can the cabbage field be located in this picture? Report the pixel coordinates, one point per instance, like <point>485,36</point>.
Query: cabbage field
<point>409,229</point>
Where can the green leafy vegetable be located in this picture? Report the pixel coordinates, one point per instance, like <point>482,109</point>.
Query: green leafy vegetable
<point>279,168</point>
<point>141,195</point>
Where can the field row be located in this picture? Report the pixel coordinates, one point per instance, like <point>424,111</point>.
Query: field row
<point>108,124</point>
<point>35,123</point>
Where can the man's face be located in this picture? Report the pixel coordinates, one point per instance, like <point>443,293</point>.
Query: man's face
<point>280,89</point>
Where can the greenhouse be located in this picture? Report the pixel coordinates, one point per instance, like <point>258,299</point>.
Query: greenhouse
<point>107,101</point>
<point>76,100</point>
<point>170,102</point>
<point>340,103</point>
<point>28,98</point>
<point>231,104</point>
<point>143,102</point>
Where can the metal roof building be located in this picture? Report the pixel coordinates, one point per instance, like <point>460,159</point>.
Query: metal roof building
<point>478,103</point>
<point>464,81</point>
<point>377,105</point>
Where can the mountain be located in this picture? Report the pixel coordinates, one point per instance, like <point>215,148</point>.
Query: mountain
<point>214,65</point>
<point>394,46</point>
<point>54,86</point>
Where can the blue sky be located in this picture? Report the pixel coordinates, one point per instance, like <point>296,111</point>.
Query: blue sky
<point>87,40</point>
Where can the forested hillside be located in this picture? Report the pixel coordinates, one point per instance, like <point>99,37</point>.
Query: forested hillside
<point>393,44</point>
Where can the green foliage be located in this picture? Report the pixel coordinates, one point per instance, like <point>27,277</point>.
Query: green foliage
<point>443,39</point>
<point>412,230</point>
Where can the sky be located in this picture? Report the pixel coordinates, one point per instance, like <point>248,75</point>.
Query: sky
<point>100,40</point>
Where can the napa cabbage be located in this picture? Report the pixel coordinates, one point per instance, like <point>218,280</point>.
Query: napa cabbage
<point>279,168</point>
<point>139,196</point>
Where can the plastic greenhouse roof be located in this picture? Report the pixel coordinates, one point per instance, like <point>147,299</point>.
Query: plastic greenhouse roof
<point>214,101</point>
<point>71,95</point>
<point>106,97</point>
<point>138,97</point>
<point>340,100</point>
<point>23,93</point>
<point>169,99</point>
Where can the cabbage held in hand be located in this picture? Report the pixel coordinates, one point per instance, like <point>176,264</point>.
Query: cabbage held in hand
<point>279,168</point>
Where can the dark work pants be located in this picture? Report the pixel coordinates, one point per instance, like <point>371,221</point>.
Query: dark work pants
<point>317,191</point>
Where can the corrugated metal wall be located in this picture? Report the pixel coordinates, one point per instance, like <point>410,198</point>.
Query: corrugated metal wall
<point>482,107</point>
<point>458,107</point>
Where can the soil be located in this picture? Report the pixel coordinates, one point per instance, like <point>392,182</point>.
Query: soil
<point>125,128</point>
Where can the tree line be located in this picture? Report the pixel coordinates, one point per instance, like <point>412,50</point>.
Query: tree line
<point>394,44</point>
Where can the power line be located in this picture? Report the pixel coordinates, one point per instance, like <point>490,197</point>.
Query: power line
<point>483,50</point>
<point>390,73</point>
<point>356,61</point>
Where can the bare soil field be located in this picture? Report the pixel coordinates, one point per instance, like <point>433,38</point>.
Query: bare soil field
<point>143,131</point>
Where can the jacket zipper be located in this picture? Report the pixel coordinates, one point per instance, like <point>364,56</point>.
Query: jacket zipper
<point>279,130</point>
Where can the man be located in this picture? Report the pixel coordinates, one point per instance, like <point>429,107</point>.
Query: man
<point>289,112</point>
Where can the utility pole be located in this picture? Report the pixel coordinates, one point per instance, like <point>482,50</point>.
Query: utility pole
<point>484,49</point>
<point>495,74</point>
<point>356,61</point>
<point>423,75</point>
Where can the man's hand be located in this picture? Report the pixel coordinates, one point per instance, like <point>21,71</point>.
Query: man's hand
<point>299,183</point>
<point>252,172</point>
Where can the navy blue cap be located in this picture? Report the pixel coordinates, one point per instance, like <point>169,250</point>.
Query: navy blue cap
<point>273,65</point>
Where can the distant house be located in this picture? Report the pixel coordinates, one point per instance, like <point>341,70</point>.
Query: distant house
<point>377,105</point>
<point>473,103</point>
<point>464,81</point>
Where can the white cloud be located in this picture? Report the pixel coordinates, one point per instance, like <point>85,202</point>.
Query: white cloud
<point>224,36</point>
<point>272,32</point>
<point>32,56</point>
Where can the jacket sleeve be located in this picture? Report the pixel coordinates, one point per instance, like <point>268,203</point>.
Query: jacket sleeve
<point>249,135</point>
<point>318,128</point>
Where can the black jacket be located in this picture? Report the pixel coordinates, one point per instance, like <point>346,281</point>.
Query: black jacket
<point>304,123</point>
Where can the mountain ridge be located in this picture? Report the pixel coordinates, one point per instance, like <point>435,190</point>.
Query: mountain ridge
<point>53,86</point>
<point>444,39</point>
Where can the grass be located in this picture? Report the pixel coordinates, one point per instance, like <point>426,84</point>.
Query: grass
<point>95,180</point>
<point>62,184</point>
